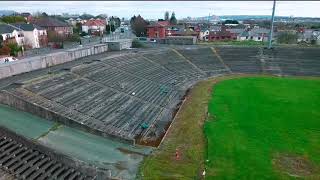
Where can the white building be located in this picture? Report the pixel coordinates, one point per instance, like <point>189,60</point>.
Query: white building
<point>34,36</point>
<point>255,34</point>
<point>94,26</point>
<point>11,34</point>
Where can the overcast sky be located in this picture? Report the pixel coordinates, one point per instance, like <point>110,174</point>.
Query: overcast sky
<point>156,9</point>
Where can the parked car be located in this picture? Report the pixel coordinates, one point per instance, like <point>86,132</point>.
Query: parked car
<point>7,59</point>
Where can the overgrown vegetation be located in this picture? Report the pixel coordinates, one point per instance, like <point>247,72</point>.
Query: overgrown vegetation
<point>55,127</point>
<point>137,44</point>
<point>255,125</point>
<point>185,136</point>
<point>287,38</point>
<point>14,49</point>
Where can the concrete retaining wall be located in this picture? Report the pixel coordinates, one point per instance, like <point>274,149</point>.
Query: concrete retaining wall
<point>120,44</point>
<point>39,62</point>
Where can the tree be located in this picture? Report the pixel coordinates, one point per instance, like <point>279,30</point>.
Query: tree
<point>166,16</point>
<point>86,16</point>
<point>173,19</point>
<point>1,40</point>
<point>13,19</point>
<point>78,28</point>
<point>132,20</point>
<point>231,22</point>
<point>110,27</point>
<point>44,14</point>
<point>115,21</point>
<point>139,26</point>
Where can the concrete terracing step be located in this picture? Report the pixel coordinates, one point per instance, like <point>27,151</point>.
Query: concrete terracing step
<point>27,163</point>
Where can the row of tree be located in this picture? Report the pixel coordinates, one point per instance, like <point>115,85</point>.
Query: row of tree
<point>13,19</point>
<point>172,19</point>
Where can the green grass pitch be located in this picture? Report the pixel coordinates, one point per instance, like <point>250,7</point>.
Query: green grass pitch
<point>264,128</point>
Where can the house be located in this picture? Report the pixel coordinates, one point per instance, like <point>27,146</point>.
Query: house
<point>159,29</point>
<point>34,36</point>
<point>181,31</point>
<point>54,25</point>
<point>96,26</point>
<point>316,36</point>
<point>11,34</point>
<point>254,34</point>
<point>215,28</point>
<point>222,35</point>
<point>163,29</point>
<point>309,36</point>
<point>27,16</point>
<point>72,21</point>
<point>236,31</point>
<point>204,34</point>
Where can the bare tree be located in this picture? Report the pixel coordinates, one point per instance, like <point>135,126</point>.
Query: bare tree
<point>139,26</point>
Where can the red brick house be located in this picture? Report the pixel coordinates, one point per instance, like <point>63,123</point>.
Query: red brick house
<point>163,29</point>
<point>159,30</point>
<point>54,25</point>
<point>222,35</point>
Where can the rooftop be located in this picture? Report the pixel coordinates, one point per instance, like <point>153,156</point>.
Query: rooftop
<point>5,28</point>
<point>27,27</point>
<point>50,22</point>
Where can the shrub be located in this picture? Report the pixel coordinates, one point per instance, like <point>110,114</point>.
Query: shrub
<point>15,49</point>
<point>137,44</point>
<point>5,50</point>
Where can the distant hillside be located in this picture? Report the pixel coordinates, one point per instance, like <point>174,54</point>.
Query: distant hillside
<point>7,12</point>
<point>266,17</point>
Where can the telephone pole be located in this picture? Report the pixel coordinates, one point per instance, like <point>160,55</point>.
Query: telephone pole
<point>271,29</point>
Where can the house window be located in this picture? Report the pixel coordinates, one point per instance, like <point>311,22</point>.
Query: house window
<point>246,37</point>
<point>251,37</point>
<point>259,38</point>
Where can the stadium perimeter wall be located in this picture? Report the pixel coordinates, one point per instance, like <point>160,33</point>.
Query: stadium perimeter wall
<point>39,62</point>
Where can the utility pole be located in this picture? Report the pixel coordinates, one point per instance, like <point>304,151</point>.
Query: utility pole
<point>271,29</point>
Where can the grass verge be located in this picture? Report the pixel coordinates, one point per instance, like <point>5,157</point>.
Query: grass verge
<point>258,127</point>
<point>186,135</point>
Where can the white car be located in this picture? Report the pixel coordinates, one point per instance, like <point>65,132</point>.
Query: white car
<point>9,58</point>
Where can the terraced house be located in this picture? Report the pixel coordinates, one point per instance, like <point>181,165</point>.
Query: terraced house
<point>54,25</point>
<point>11,34</point>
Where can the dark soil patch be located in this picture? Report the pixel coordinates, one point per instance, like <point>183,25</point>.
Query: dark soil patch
<point>127,151</point>
<point>294,165</point>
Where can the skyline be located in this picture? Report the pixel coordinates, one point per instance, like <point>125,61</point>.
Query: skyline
<point>156,9</point>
